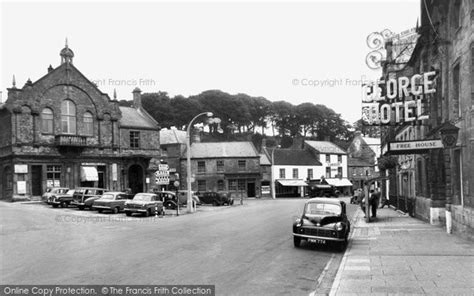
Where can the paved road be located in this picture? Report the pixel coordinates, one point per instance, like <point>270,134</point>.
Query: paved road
<point>243,250</point>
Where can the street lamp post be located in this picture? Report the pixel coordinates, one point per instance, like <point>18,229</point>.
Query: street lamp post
<point>273,174</point>
<point>188,160</point>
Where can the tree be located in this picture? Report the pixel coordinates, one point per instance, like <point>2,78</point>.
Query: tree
<point>158,105</point>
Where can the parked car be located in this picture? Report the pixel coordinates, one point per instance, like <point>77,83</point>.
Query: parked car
<point>323,220</point>
<point>168,198</point>
<point>61,199</point>
<point>144,203</point>
<point>112,201</point>
<point>216,198</point>
<point>183,197</point>
<point>52,191</point>
<point>323,190</point>
<point>84,197</point>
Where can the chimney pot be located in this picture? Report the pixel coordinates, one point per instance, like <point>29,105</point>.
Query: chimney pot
<point>137,98</point>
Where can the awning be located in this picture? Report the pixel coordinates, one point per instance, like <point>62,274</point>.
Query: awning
<point>292,182</point>
<point>322,186</point>
<point>89,173</point>
<point>339,182</point>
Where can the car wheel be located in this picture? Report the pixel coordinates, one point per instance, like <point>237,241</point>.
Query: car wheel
<point>55,206</point>
<point>147,213</point>
<point>170,205</point>
<point>232,202</point>
<point>296,241</point>
<point>128,213</point>
<point>116,210</point>
<point>215,203</point>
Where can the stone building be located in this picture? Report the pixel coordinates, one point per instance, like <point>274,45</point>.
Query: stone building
<point>443,178</point>
<point>224,166</point>
<point>362,159</point>
<point>61,130</point>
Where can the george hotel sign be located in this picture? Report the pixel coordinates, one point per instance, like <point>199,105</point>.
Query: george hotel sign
<point>397,100</point>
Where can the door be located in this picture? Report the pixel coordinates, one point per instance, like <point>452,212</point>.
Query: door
<point>101,175</point>
<point>135,178</point>
<point>250,189</point>
<point>36,180</point>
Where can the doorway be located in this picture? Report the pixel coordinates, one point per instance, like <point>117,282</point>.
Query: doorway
<point>36,180</point>
<point>135,178</point>
<point>250,189</point>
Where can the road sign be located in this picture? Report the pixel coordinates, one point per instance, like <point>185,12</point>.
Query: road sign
<point>176,184</point>
<point>162,175</point>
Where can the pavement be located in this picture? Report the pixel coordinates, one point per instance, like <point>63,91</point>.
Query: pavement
<point>400,255</point>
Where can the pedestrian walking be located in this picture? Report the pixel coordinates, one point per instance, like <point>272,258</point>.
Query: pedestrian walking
<point>361,199</point>
<point>374,202</point>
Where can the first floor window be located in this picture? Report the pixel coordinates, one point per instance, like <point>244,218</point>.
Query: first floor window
<point>310,174</point>
<point>339,158</point>
<point>53,176</point>
<point>282,173</point>
<point>220,165</point>
<point>202,185</point>
<point>47,121</point>
<point>295,173</point>
<point>68,117</point>
<point>242,165</point>
<point>88,124</point>
<point>134,139</point>
<point>328,158</point>
<point>201,166</point>
<point>328,172</point>
<point>339,172</point>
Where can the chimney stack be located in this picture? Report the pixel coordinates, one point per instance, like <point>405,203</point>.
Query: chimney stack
<point>137,98</point>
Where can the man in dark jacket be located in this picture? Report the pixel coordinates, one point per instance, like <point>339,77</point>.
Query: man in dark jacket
<point>374,202</point>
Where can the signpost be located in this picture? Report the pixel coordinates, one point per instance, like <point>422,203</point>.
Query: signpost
<point>162,175</point>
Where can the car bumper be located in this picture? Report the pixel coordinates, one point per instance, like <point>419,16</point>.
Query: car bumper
<point>305,236</point>
<point>133,210</point>
<point>102,207</point>
<point>76,203</point>
<point>53,202</point>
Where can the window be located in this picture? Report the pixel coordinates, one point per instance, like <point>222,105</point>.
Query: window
<point>456,85</point>
<point>134,139</point>
<point>202,185</point>
<point>339,172</point>
<point>88,124</point>
<point>456,15</point>
<point>328,158</point>
<point>339,158</point>
<point>241,185</point>
<point>47,121</point>
<point>201,166</point>
<point>53,175</point>
<point>68,117</point>
<point>310,174</point>
<point>242,165</point>
<point>233,184</point>
<point>220,185</point>
<point>282,173</point>
<point>328,172</point>
<point>7,174</point>
<point>220,165</point>
<point>295,173</point>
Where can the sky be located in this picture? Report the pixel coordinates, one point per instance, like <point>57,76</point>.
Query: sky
<point>310,51</point>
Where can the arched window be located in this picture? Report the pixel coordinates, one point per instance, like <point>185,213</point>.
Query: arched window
<point>68,117</point>
<point>47,121</point>
<point>88,124</point>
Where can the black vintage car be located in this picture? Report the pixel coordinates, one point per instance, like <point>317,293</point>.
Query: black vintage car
<point>323,221</point>
<point>216,198</point>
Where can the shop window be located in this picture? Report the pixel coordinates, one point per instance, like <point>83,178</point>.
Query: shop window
<point>47,121</point>
<point>310,174</point>
<point>88,124</point>
<point>295,173</point>
<point>220,185</point>
<point>134,139</point>
<point>68,117</point>
<point>53,175</point>
<point>232,185</point>
<point>220,165</point>
<point>282,174</point>
<point>242,165</point>
<point>202,185</point>
<point>201,166</point>
<point>241,185</point>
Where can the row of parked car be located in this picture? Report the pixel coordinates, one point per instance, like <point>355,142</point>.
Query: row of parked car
<point>143,203</point>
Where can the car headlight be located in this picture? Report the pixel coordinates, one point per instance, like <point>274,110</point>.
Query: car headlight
<point>339,226</point>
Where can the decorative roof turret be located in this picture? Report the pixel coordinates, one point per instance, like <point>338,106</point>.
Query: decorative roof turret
<point>66,54</point>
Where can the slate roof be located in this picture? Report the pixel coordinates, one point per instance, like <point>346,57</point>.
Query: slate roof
<point>294,157</point>
<point>223,149</point>
<point>132,117</point>
<point>172,136</point>
<point>325,147</point>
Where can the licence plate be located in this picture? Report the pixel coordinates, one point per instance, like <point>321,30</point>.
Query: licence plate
<point>317,241</point>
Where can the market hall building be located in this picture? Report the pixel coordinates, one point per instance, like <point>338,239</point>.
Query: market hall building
<point>63,131</point>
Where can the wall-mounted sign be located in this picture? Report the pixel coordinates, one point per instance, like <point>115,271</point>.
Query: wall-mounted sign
<point>397,101</point>
<point>21,168</point>
<point>21,187</point>
<point>412,147</point>
<point>114,172</point>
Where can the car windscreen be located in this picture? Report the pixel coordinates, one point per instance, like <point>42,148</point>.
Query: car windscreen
<point>142,197</point>
<point>107,196</point>
<point>318,208</point>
